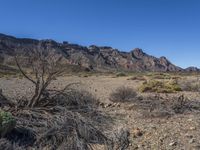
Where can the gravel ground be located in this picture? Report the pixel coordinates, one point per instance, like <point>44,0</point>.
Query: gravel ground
<point>169,133</point>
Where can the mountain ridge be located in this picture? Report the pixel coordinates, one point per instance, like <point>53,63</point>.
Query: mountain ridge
<point>92,57</point>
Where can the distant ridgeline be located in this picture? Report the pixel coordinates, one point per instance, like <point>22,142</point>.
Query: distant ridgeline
<point>92,57</point>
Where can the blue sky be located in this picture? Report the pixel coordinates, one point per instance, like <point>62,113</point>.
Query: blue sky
<point>168,28</point>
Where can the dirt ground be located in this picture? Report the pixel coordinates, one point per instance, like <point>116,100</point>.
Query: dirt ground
<point>181,131</point>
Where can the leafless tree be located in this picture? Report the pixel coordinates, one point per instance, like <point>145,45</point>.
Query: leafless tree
<point>45,66</point>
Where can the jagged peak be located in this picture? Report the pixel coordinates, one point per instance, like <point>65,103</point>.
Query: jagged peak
<point>138,52</point>
<point>192,68</point>
<point>99,56</point>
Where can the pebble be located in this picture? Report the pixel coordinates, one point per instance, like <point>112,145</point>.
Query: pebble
<point>137,132</point>
<point>192,128</point>
<point>172,144</point>
<point>192,141</point>
<point>188,135</point>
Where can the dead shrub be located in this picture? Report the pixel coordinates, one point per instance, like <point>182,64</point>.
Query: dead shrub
<point>70,120</point>
<point>121,74</point>
<point>4,101</point>
<point>74,99</point>
<point>139,78</point>
<point>71,131</point>
<point>45,66</point>
<point>121,137</point>
<point>152,107</point>
<point>192,85</point>
<point>123,94</point>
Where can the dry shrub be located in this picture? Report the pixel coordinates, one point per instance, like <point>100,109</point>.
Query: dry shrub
<point>123,94</point>
<point>192,85</point>
<point>160,86</point>
<point>158,107</point>
<point>121,74</point>
<point>4,101</point>
<point>139,78</point>
<point>71,131</point>
<point>74,99</point>
<point>70,120</point>
<point>160,76</point>
<point>121,137</point>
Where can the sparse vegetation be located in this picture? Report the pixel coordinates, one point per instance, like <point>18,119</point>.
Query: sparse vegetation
<point>161,76</point>
<point>160,86</point>
<point>159,107</point>
<point>69,117</point>
<point>192,85</point>
<point>139,78</point>
<point>123,94</point>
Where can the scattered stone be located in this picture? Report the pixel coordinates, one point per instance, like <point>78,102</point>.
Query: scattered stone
<point>101,104</point>
<point>192,141</point>
<point>137,132</point>
<point>118,105</point>
<point>192,128</point>
<point>197,147</point>
<point>108,105</point>
<point>173,144</point>
<point>188,135</point>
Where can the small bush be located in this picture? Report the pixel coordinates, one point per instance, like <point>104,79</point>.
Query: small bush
<point>160,87</point>
<point>121,74</point>
<point>179,105</point>
<point>192,85</point>
<point>74,99</point>
<point>139,78</point>
<point>123,94</point>
<point>161,76</point>
<point>7,123</point>
<point>159,107</point>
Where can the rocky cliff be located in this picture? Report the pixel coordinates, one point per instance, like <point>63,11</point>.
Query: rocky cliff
<point>92,57</point>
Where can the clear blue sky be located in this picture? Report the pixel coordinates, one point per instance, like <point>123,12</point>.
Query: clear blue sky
<point>160,27</point>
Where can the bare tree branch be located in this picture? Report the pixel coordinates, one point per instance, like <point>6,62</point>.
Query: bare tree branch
<point>23,73</point>
<point>46,66</point>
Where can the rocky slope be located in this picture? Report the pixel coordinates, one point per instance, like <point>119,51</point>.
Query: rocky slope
<point>192,69</point>
<point>92,57</point>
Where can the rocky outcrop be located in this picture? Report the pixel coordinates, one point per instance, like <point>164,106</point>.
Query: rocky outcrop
<point>192,69</point>
<point>92,57</point>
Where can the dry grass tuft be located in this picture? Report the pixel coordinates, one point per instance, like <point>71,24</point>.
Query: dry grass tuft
<point>139,78</point>
<point>121,74</point>
<point>192,85</point>
<point>159,107</point>
<point>123,94</point>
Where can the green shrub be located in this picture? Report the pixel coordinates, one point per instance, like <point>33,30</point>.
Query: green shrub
<point>7,123</point>
<point>160,87</point>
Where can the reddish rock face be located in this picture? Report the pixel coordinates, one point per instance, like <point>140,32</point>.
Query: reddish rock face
<point>97,58</point>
